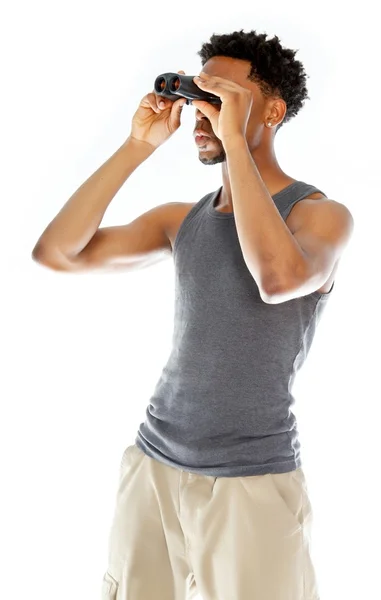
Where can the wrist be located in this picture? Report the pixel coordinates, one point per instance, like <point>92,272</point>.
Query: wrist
<point>139,145</point>
<point>235,142</point>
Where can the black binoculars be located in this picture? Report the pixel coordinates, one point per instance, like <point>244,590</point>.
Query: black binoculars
<point>174,86</point>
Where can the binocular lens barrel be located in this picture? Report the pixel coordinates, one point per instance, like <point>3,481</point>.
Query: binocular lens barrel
<point>160,84</point>
<point>173,86</point>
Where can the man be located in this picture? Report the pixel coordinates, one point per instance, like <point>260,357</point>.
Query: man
<point>212,496</point>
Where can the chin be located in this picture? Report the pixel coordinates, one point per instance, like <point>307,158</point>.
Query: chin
<point>219,157</point>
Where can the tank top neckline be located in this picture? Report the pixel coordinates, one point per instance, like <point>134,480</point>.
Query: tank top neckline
<point>213,212</point>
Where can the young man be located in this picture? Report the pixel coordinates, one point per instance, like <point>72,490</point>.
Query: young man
<point>212,496</point>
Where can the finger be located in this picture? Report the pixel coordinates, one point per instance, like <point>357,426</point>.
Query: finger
<point>161,102</point>
<point>156,103</point>
<point>178,104</point>
<point>153,101</point>
<point>200,104</point>
<point>154,107</point>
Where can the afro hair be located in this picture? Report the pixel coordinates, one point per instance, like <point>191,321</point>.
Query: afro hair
<point>273,68</point>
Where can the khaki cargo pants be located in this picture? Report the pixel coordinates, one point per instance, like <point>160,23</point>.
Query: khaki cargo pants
<point>176,535</point>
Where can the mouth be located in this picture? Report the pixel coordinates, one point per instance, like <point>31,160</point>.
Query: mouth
<point>201,133</point>
<point>201,139</point>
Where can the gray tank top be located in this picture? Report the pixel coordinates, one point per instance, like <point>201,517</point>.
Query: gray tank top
<point>223,403</point>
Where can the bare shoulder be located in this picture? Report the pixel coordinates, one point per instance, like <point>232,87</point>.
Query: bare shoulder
<point>295,218</point>
<point>298,210</point>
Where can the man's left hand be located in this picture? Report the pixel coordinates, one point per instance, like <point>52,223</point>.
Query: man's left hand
<point>228,122</point>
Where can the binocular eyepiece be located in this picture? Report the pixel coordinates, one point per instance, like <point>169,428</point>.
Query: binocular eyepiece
<point>174,86</point>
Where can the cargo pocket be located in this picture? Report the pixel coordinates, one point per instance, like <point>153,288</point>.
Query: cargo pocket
<point>109,587</point>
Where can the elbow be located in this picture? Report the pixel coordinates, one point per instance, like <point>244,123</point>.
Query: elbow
<point>48,258</point>
<point>41,255</point>
<point>37,253</point>
<point>270,289</point>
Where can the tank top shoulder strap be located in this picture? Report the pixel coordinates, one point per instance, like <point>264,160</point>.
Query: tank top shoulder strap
<point>289,196</point>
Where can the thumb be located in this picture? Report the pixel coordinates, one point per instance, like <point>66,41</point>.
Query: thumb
<point>208,110</point>
<point>176,112</point>
<point>202,106</point>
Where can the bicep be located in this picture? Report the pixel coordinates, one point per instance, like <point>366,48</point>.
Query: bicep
<point>136,245</point>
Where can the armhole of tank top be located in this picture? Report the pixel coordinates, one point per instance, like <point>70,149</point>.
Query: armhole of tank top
<point>320,295</point>
<point>189,216</point>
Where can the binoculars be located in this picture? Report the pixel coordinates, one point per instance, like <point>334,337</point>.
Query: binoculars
<point>174,86</point>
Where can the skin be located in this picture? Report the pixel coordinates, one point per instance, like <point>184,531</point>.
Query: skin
<point>260,138</point>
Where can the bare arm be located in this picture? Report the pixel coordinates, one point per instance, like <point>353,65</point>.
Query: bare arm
<point>77,222</point>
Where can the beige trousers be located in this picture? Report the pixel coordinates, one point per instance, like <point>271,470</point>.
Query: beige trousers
<point>176,535</point>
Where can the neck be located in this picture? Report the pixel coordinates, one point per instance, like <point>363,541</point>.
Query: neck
<point>272,175</point>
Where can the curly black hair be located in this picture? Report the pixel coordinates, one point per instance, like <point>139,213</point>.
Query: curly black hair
<point>273,68</point>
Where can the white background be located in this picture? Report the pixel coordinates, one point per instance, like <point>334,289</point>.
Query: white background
<point>81,354</point>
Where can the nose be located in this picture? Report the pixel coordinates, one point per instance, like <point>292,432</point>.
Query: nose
<point>199,117</point>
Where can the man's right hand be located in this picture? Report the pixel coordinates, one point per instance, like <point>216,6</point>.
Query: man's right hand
<point>153,123</point>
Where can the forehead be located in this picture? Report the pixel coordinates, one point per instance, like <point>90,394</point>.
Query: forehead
<point>231,68</point>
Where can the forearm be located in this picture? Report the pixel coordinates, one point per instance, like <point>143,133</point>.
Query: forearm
<point>76,223</point>
<point>270,251</point>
